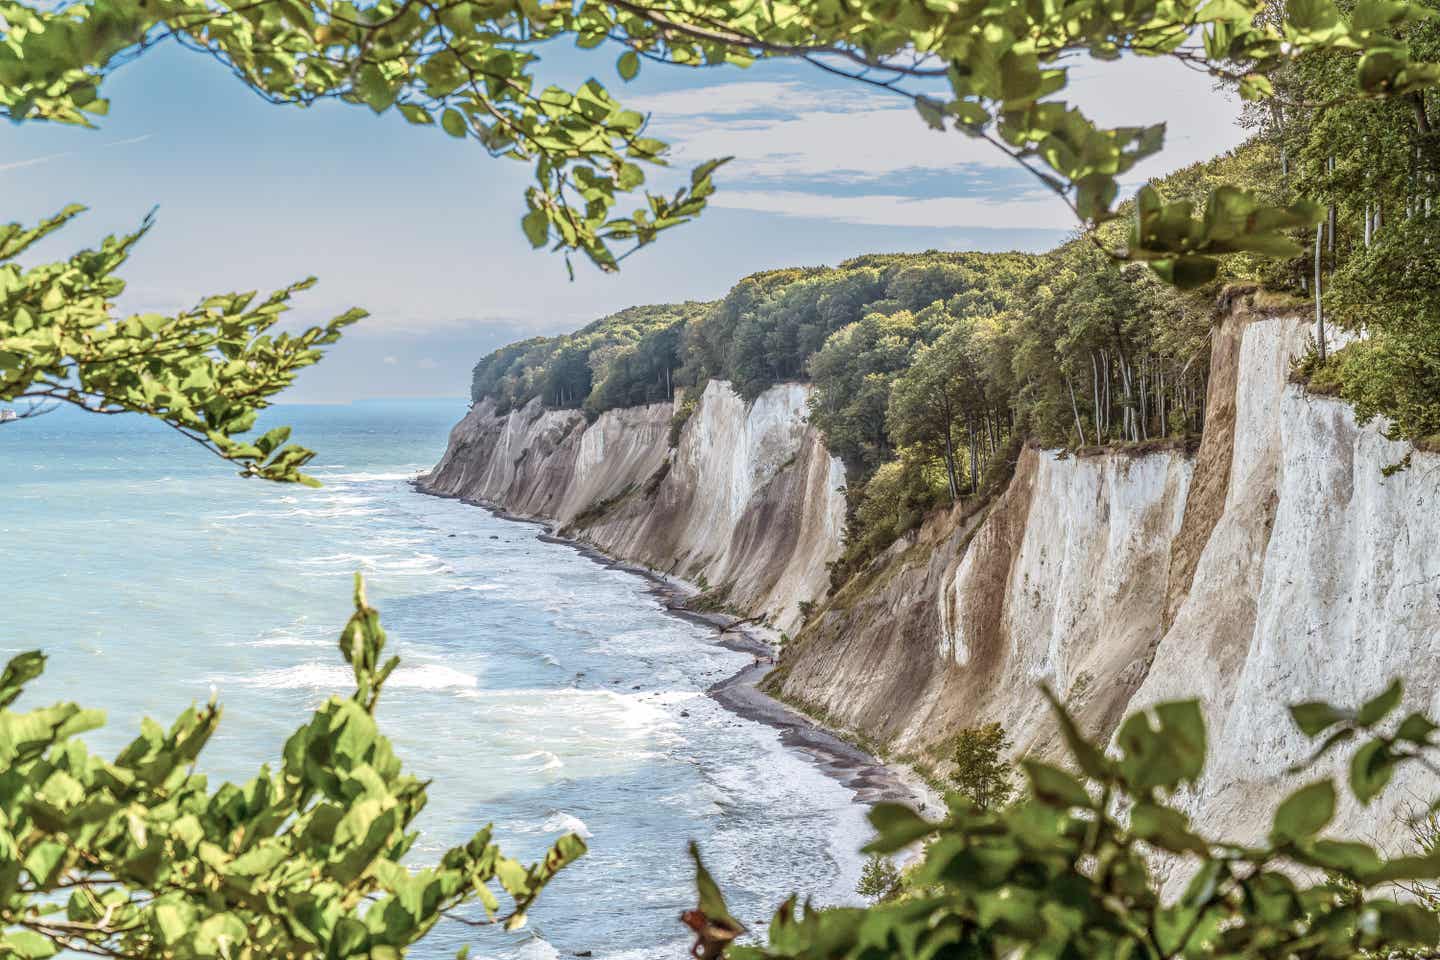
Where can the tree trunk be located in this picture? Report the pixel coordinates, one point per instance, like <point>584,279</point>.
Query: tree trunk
<point>1075,409</point>
<point>974,461</point>
<point>1095,389</point>
<point>1319,309</point>
<point>1144,409</point>
<point>1330,241</point>
<point>1160,398</point>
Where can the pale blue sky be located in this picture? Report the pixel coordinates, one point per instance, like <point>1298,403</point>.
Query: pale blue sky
<point>423,230</point>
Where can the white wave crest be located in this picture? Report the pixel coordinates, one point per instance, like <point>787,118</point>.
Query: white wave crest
<point>365,477</point>
<point>552,762</point>
<point>332,677</point>
<point>537,948</point>
<point>561,822</point>
<point>286,637</point>
<point>419,564</point>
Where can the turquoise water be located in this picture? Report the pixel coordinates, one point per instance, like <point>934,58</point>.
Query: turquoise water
<point>539,690</point>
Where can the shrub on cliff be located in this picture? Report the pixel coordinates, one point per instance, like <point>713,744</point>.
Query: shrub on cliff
<point>982,770</point>
<point>880,879</point>
<point>1067,871</point>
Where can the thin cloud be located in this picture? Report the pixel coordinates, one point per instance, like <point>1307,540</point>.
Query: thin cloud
<point>49,158</point>
<point>739,98</point>
<point>1023,212</point>
<point>783,134</point>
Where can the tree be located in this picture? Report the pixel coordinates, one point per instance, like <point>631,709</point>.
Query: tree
<point>139,857</point>
<point>1065,871</point>
<point>880,879</point>
<point>941,392</point>
<point>982,768</point>
<point>1374,167</point>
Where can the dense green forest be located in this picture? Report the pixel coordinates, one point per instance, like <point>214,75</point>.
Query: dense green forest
<point>927,368</point>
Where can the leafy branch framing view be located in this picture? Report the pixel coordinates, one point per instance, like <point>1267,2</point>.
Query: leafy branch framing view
<point>138,857</point>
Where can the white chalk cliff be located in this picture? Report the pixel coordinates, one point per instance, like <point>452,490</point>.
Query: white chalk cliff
<point>748,503</point>
<point>1276,563</point>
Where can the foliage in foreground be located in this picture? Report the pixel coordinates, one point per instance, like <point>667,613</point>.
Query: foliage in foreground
<point>206,372</point>
<point>1067,871</point>
<point>138,857</point>
<point>991,72</point>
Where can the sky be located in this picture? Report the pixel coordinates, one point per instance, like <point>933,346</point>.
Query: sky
<point>423,230</point>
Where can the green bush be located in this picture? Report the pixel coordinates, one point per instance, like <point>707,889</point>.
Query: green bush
<point>682,416</point>
<point>880,879</point>
<point>1067,871</point>
<point>139,857</point>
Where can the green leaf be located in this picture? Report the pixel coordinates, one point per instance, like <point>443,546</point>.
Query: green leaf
<point>1163,756</point>
<point>1165,828</point>
<point>1416,728</point>
<point>537,227</point>
<point>712,901</point>
<point>1371,769</point>
<point>452,121</point>
<point>1304,813</point>
<point>1379,707</point>
<point>1314,716</point>
<point>628,65</point>
<point>27,944</point>
<point>1055,786</point>
<point>1090,760</point>
<point>20,670</point>
<point>931,111</point>
<point>896,827</point>
<point>1392,923</point>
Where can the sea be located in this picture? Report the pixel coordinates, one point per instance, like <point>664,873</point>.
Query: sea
<point>539,690</point>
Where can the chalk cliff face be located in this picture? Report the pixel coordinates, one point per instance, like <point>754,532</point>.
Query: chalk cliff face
<point>748,503</point>
<point>1274,564</point>
<point>1061,582</point>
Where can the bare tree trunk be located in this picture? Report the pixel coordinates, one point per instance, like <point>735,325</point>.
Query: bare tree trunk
<point>1319,309</point>
<point>1105,365</point>
<point>1074,409</point>
<point>974,461</point>
<point>1127,384</point>
<point>1144,410</point>
<point>1331,221</point>
<point>1160,398</point>
<point>1095,389</point>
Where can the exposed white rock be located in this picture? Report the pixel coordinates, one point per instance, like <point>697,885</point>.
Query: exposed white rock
<point>1321,581</point>
<point>1090,567</point>
<point>749,502</point>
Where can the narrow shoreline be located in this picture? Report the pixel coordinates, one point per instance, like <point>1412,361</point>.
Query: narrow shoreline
<point>869,778</point>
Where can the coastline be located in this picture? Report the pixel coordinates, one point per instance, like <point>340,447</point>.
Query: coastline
<point>871,780</point>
